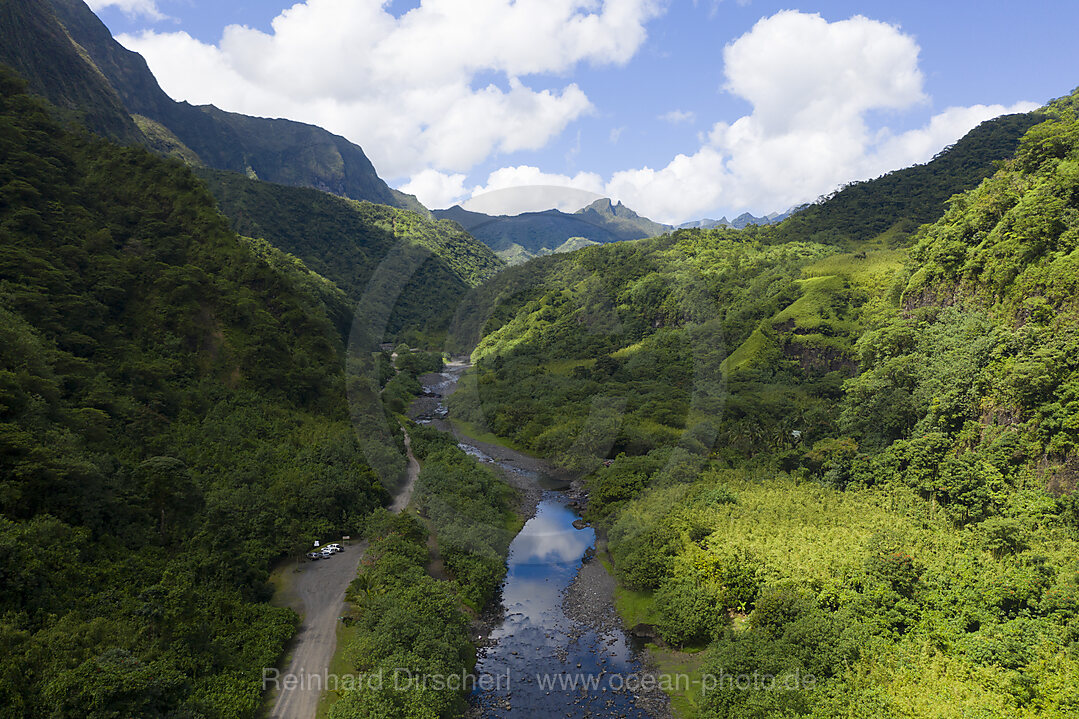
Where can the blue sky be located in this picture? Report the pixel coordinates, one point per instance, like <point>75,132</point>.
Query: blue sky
<point>611,109</point>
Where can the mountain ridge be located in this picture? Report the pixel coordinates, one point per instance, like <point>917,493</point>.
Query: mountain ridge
<point>118,84</point>
<point>347,241</point>
<point>35,43</point>
<point>741,221</point>
<point>530,234</point>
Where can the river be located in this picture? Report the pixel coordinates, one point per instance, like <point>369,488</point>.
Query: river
<point>556,647</point>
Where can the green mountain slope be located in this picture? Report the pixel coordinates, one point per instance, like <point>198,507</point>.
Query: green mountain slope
<point>172,419</point>
<point>789,331</point>
<point>874,220</point>
<point>1002,261</point>
<point>347,242</point>
<point>650,322</point>
<point>38,47</point>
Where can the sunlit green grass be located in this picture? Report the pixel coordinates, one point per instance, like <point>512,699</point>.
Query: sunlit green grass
<point>338,666</point>
<point>745,352</point>
<point>684,672</point>
<point>475,432</point>
<point>564,368</point>
<point>859,269</point>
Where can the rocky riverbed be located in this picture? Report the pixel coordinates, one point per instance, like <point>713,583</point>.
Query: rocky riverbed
<point>554,644</point>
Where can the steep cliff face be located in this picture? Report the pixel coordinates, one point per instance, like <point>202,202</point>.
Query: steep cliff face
<point>68,55</point>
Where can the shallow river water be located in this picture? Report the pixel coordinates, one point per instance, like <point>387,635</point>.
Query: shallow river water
<point>543,663</point>
<point>539,661</point>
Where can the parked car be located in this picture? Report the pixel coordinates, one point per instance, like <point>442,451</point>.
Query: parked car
<point>327,552</point>
<point>315,555</point>
<point>335,547</point>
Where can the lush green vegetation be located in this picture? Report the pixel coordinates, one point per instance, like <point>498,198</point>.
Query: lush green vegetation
<point>854,465</point>
<point>515,254</point>
<point>818,453</point>
<point>418,268</point>
<point>468,506</point>
<point>622,348</point>
<point>402,385</point>
<point>407,624</point>
<point>172,419</point>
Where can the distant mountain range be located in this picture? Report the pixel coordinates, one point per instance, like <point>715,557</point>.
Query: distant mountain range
<point>743,220</point>
<point>518,237</point>
<point>68,56</point>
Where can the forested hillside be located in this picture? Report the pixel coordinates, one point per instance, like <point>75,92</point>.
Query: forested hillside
<point>348,242</point>
<point>851,465</point>
<point>34,43</point>
<point>836,456</point>
<point>70,58</point>
<point>172,418</point>
<point>898,202</point>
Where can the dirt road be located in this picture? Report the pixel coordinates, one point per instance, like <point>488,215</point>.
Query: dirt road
<point>319,591</point>
<point>318,594</point>
<point>405,493</point>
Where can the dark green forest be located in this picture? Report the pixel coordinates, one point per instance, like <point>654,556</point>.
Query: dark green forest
<point>176,417</point>
<point>172,419</point>
<point>853,458</point>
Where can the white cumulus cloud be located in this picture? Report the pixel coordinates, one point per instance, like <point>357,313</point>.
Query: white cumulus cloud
<point>509,190</point>
<point>812,85</point>
<point>436,190</point>
<point>440,86</point>
<point>513,190</point>
<point>521,175</point>
<point>676,117</point>
<point>134,8</point>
